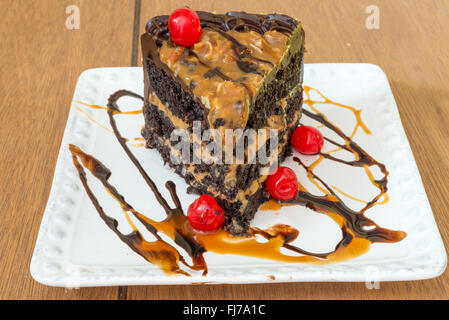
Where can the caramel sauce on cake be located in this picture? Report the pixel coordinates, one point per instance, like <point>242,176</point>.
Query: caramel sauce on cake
<point>225,70</point>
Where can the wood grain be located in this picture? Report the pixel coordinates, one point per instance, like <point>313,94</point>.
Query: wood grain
<point>44,60</point>
<point>40,63</point>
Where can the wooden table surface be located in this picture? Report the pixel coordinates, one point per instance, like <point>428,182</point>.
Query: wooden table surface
<point>41,60</point>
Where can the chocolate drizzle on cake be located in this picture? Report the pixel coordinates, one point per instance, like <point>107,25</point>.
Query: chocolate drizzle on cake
<point>358,231</point>
<point>239,21</point>
<point>233,45</point>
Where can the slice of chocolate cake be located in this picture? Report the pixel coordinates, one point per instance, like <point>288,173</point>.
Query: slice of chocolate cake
<point>241,79</point>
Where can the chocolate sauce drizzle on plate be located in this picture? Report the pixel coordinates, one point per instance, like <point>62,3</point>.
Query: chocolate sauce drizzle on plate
<point>358,231</point>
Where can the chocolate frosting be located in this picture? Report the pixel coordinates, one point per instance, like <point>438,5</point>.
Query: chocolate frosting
<point>157,27</point>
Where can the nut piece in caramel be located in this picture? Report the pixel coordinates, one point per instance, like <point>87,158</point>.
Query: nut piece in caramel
<point>228,94</point>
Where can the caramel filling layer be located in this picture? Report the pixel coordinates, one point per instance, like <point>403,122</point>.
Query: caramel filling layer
<point>225,70</point>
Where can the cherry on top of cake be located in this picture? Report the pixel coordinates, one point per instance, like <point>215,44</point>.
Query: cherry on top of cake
<point>226,66</point>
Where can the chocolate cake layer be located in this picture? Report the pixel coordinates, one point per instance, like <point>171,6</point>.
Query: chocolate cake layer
<point>241,197</point>
<point>160,119</point>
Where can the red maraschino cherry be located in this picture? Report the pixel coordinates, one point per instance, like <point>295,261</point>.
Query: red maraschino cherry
<point>184,26</point>
<point>307,140</point>
<point>282,184</point>
<point>204,214</point>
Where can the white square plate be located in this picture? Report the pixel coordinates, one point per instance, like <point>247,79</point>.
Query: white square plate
<point>75,248</point>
